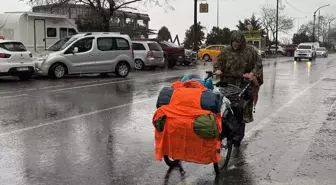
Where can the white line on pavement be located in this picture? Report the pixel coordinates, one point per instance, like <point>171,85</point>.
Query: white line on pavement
<point>74,117</point>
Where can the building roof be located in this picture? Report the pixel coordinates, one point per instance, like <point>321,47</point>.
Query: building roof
<point>71,5</point>
<point>35,14</point>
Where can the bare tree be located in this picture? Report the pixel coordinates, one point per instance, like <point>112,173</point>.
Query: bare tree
<point>268,19</point>
<point>104,9</point>
<point>285,40</point>
<point>321,29</point>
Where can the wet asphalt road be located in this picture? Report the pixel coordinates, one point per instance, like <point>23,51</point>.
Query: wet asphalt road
<point>90,130</point>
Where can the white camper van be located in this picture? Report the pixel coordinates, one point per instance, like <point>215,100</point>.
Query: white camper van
<point>37,31</point>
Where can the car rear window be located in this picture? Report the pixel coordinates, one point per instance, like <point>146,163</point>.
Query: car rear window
<point>13,46</point>
<point>154,46</point>
<point>304,47</point>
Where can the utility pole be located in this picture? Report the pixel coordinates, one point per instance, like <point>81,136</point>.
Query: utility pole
<point>195,25</point>
<point>314,20</point>
<point>217,13</point>
<point>318,26</point>
<point>276,29</point>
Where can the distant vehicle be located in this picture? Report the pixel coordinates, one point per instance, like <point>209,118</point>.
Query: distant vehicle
<point>290,49</point>
<point>210,53</point>
<point>190,57</point>
<point>305,51</point>
<point>173,53</point>
<point>88,53</point>
<point>322,52</point>
<point>280,50</point>
<point>15,60</point>
<point>37,31</point>
<point>147,54</point>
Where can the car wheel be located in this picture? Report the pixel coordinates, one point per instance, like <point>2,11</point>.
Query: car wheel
<point>57,70</point>
<point>25,76</point>
<point>186,63</point>
<point>122,69</point>
<point>206,57</point>
<point>295,59</point>
<point>139,64</point>
<point>311,59</point>
<point>171,63</point>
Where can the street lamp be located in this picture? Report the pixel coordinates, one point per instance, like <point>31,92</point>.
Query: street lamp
<point>314,20</point>
<point>332,19</point>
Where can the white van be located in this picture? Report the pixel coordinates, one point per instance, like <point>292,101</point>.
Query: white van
<point>37,31</point>
<point>88,53</point>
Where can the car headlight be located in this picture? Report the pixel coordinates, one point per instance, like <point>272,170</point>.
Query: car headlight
<point>42,57</point>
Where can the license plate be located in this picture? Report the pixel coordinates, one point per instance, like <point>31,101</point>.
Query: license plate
<point>22,69</point>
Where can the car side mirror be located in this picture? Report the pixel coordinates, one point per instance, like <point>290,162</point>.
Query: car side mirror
<point>75,50</point>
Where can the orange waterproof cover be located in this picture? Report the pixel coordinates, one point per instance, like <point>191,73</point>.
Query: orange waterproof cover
<point>178,139</point>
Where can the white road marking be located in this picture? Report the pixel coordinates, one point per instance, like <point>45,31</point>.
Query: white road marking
<point>74,117</point>
<point>14,96</point>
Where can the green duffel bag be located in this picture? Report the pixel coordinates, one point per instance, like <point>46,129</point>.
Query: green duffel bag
<point>160,123</point>
<point>205,126</point>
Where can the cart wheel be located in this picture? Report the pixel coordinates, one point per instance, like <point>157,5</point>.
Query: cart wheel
<point>169,162</point>
<point>225,152</point>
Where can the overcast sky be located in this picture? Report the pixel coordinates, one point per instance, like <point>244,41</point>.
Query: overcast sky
<point>230,11</point>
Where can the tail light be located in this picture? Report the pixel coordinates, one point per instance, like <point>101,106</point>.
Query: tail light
<point>150,54</point>
<point>132,53</point>
<point>4,55</point>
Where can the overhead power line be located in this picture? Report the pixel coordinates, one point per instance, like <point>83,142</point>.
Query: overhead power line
<point>286,1</point>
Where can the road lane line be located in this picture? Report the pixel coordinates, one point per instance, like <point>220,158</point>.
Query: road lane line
<point>14,96</point>
<point>74,117</point>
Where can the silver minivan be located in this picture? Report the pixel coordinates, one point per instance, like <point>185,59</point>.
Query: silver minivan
<point>147,54</point>
<point>88,53</point>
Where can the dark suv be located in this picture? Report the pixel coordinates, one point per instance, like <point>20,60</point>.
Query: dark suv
<point>290,49</point>
<point>174,54</point>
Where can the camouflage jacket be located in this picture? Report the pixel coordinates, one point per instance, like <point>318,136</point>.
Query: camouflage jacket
<point>234,64</point>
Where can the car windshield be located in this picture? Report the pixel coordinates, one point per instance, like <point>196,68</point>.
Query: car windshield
<point>70,41</point>
<point>57,46</point>
<point>13,46</point>
<point>321,49</point>
<point>304,47</point>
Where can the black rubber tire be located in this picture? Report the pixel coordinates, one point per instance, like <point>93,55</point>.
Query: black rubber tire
<point>169,162</point>
<point>311,59</point>
<point>25,76</point>
<point>217,168</point>
<point>171,63</point>
<point>119,65</point>
<point>186,63</point>
<point>208,57</point>
<point>142,64</point>
<point>295,59</point>
<point>52,68</point>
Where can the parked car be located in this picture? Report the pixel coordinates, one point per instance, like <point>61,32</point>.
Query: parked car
<point>190,57</point>
<point>210,53</point>
<point>322,52</point>
<point>306,51</point>
<point>174,54</point>
<point>290,49</point>
<point>15,60</point>
<point>89,53</point>
<point>147,54</point>
<point>280,50</point>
